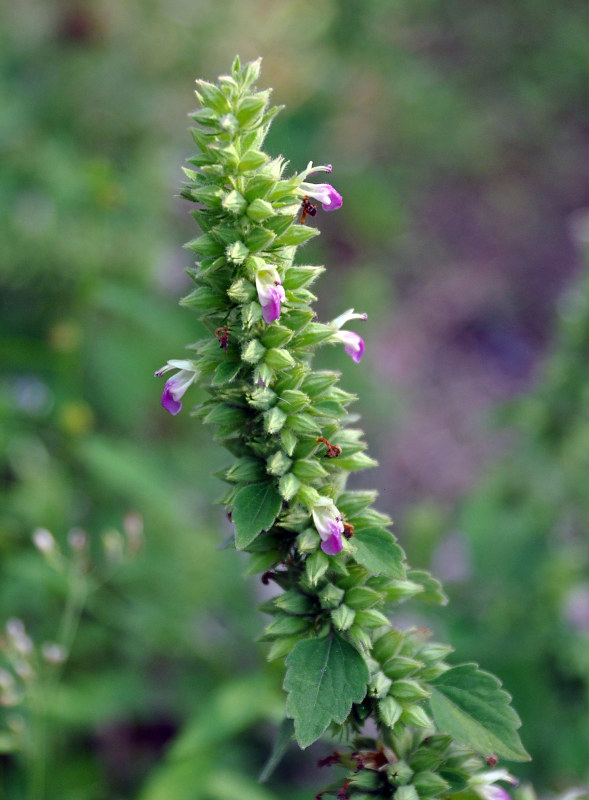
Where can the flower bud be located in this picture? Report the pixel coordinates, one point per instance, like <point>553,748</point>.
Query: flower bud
<point>402,590</point>
<point>359,638</point>
<point>282,647</point>
<point>371,618</point>
<point>330,596</point>
<point>316,566</point>
<point>274,420</point>
<point>285,625</point>
<point>407,689</point>
<point>406,793</point>
<point>308,470</point>
<point>415,715</point>
<point>288,486</point>
<point>278,464</point>
<point>365,779</point>
<point>379,684</point>
<point>279,359</point>
<point>399,773</point>
<point>295,602</point>
<point>429,784</point>
<point>288,441</point>
<point>308,541</point>
<point>259,210</point>
<point>242,291</point>
<point>387,645</point>
<point>389,710</point>
<point>237,252</point>
<point>253,352</point>
<point>400,666</point>
<point>362,597</point>
<point>234,202</point>
<point>343,617</point>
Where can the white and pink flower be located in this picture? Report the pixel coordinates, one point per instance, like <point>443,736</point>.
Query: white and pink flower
<point>330,526</point>
<point>329,197</point>
<point>177,385</point>
<point>353,343</point>
<point>270,293</point>
<point>484,784</point>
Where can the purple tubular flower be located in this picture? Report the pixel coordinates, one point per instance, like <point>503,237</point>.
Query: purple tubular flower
<point>329,197</point>
<point>353,344</point>
<point>330,527</point>
<point>177,385</point>
<point>270,293</point>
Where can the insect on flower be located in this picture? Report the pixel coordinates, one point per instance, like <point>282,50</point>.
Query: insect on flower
<point>307,207</point>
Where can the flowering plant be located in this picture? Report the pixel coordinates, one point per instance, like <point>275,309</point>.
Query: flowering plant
<point>436,728</point>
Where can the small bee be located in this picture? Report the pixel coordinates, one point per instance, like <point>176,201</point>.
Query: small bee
<point>307,207</point>
<point>222,335</point>
<point>348,530</point>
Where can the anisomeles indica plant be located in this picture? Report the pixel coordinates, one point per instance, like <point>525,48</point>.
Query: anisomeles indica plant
<point>412,725</point>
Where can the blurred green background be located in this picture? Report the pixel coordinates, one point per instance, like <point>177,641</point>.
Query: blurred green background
<point>457,132</point>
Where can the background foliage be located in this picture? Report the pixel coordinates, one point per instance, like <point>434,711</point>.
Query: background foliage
<point>456,131</point>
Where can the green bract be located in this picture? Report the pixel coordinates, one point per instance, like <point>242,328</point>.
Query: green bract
<point>288,429</point>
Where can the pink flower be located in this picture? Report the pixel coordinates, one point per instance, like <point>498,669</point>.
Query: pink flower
<point>177,385</point>
<point>329,197</point>
<point>270,293</point>
<point>330,526</point>
<point>352,342</point>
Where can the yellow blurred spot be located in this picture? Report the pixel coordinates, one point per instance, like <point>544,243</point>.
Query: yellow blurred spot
<point>65,336</point>
<point>76,418</point>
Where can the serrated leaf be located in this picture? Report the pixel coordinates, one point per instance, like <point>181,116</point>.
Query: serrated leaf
<point>323,679</point>
<point>471,706</point>
<point>254,510</point>
<point>284,738</point>
<point>378,552</point>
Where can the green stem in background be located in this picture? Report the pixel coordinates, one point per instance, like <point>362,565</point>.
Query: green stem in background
<point>44,729</point>
<point>438,728</point>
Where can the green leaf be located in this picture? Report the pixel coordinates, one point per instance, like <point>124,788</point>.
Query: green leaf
<point>258,239</point>
<point>471,706</point>
<point>226,372</point>
<point>296,234</point>
<point>206,245</point>
<point>355,462</point>
<point>432,588</point>
<point>284,738</point>
<point>252,160</point>
<point>324,677</point>
<point>254,510</point>
<point>378,552</point>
